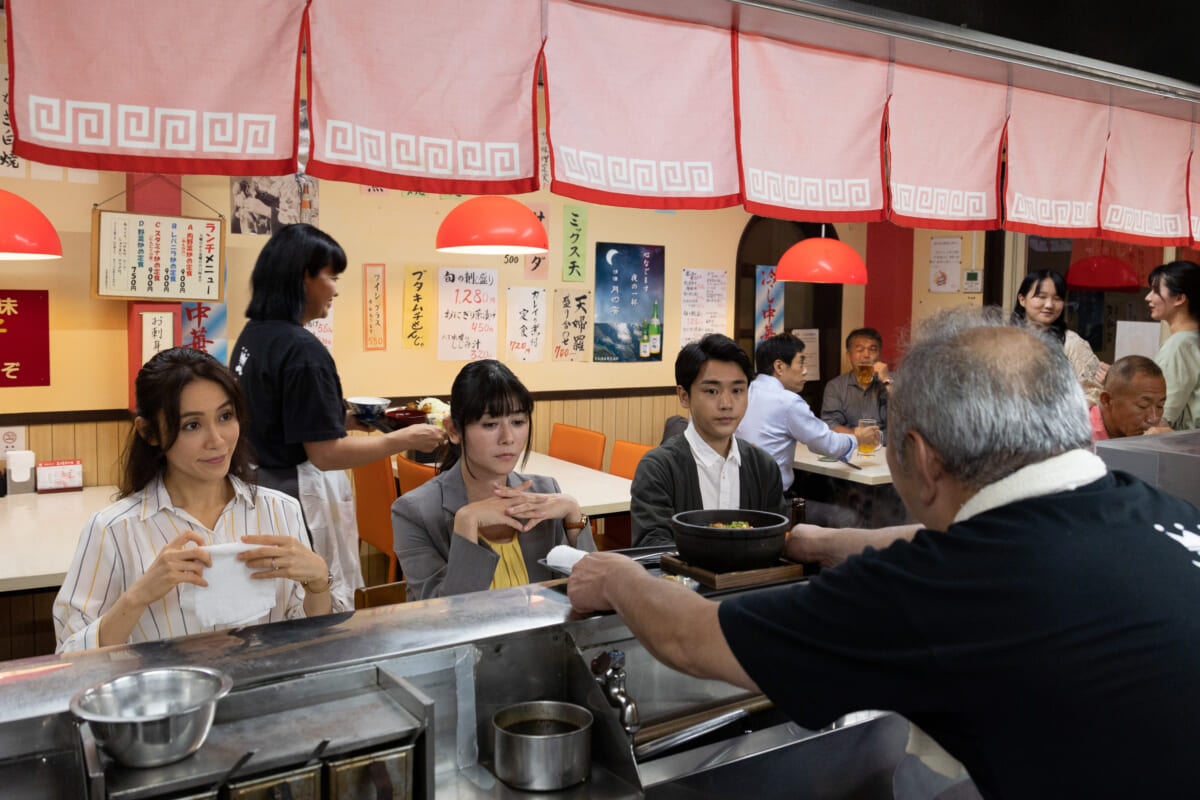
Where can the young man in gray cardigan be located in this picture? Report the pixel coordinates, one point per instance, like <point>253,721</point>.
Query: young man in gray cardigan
<point>705,466</point>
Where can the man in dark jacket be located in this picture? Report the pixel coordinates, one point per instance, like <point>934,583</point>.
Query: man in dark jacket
<point>705,466</point>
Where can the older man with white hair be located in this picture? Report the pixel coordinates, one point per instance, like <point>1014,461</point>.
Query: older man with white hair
<point>1041,626</point>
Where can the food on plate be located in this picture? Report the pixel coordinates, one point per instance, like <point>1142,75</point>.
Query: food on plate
<point>738,523</point>
<point>435,410</point>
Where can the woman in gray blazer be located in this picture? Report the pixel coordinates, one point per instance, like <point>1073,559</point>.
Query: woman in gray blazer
<point>479,524</point>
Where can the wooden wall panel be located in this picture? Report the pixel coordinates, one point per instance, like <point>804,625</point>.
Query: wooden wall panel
<point>62,439</point>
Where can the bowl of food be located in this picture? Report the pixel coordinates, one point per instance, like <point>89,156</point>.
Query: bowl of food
<point>397,418</point>
<point>730,539</point>
<point>153,716</point>
<point>368,409</point>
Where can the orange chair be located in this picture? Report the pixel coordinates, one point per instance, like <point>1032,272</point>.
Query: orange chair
<point>624,461</point>
<point>374,493</point>
<point>577,445</point>
<point>412,474</point>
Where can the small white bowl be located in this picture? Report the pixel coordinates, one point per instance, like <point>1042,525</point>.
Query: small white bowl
<point>368,408</point>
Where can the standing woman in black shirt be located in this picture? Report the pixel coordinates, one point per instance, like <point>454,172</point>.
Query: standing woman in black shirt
<point>294,396</point>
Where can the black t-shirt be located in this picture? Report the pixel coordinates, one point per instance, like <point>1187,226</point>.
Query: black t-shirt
<point>293,393</point>
<point>1051,645</point>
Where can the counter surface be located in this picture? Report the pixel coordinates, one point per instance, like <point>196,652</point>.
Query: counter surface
<point>874,470</point>
<point>39,532</point>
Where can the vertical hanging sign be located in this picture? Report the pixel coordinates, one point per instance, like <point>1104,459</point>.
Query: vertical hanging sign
<point>537,265</point>
<point>768,304</point>
<point>416,308</point>
<point>374,308</point>
<point>574,244</point>
<point>204,329</point>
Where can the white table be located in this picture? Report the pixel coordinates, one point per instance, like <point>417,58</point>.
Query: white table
<point>598,493</point>
<point>874,470</point>
<point>39,532</point>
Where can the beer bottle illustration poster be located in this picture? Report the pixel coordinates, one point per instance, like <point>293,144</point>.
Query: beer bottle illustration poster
<point>630,305</point>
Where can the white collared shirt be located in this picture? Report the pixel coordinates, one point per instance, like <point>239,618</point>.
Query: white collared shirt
<point>121,542</point>
<point>719,481</point>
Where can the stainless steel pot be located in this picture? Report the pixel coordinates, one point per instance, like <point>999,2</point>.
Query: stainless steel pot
<point>153,716</point>
<point>543,745</point>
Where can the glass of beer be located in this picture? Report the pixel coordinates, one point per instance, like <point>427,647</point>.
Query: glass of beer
<point>863,448</point>
<point>864,374</point>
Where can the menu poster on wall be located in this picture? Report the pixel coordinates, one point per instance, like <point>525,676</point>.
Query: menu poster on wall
<point>416,319</point>
<point>537,265</point>
<point>945,263</point>
<point>144,256</point>
<point>24,337</point>
<point>574,244</point>
<point>629,302</point>
<point>572,317</point>
<point>467,314</point>
<point>322,328</point>
<point>768,304</point>
<point>526,323</point>
<point>702,304</point>
<point>150,328</point>
<point>204,329</point>
<point>374,308</point>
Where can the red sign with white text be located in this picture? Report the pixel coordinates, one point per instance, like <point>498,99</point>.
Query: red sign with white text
<point>24,337</point>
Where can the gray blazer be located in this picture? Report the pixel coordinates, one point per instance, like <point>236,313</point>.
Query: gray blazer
<point>436,563</point>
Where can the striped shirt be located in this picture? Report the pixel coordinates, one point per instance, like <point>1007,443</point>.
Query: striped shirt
<point>121,542</point>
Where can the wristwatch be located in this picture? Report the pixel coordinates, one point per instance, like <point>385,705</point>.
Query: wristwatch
<point>577,526</point>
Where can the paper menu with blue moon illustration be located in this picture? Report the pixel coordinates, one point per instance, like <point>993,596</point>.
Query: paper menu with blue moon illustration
<point>629,302</point>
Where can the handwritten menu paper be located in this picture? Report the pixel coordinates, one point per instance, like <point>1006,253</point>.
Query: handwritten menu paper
<point>572,315</point>
<point>526,323</point>
<point>574,244</point>
<point>154,257</point>
<point>537,265</point>
<point>158,333</point>
<point>323,329</point>
<point>467,314</point>
<point>374,308</point>
<point>416,308</point>
<point>702,309</point>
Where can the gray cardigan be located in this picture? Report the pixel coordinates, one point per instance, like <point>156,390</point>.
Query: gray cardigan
<point>667,482</point>
<point>436,563</point>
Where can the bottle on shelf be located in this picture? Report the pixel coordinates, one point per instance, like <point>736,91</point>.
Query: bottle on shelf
<point>655,332</point>
<point>644,341</point>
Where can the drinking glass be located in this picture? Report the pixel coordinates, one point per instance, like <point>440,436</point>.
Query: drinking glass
<point>863,448</point>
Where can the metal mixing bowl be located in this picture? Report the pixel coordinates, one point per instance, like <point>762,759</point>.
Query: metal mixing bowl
<point>153,716</point>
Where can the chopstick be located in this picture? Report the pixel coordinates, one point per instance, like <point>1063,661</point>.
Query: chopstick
<point>852,464</point>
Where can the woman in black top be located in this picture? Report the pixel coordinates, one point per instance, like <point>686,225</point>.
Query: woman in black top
<point>294,395</point>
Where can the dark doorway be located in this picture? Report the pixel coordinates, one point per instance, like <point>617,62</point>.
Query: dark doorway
<point>805,305</point>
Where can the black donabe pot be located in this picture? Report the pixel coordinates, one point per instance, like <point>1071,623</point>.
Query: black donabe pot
<point>730,549</point>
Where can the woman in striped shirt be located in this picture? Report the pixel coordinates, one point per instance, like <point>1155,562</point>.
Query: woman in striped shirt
<point>184,486</point>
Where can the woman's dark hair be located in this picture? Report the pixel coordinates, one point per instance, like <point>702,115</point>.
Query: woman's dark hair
<point>157,389</point>
<point>712,347</point>
<point>1030,285</point>
<point>277,282</point>
<point>1180,277</point>
<point>485,387</point>
<point>780,347</point>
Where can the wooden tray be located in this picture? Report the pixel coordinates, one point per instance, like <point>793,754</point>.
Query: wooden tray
<point>784,571</point>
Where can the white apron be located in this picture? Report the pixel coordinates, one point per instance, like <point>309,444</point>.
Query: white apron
<point>328,502</point>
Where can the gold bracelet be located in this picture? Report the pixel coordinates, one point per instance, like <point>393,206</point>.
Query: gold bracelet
<point>328,585</point>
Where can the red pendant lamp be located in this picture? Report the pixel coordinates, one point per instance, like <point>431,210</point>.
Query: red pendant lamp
<point>821,260</point>
<point>1102,274</point>
<point>25,233</point>
<point>492,225</point>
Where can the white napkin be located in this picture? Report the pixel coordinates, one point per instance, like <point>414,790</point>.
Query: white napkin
<point>564,557</point>
<point>232,597</point>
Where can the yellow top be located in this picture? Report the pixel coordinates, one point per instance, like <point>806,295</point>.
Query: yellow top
<point>510,571</point>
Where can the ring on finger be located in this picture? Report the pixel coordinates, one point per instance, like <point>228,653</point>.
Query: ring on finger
<point>272,563</point>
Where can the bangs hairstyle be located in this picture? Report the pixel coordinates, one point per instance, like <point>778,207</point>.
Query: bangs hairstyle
<point>711,347</point>
<point>1179,278</point>
<point>1030,285</point>
<point>485,387</point>
<point>277,282</point>
<point>157,389</point>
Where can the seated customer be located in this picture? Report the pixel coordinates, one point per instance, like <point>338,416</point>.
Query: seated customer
<point>478,524</point>
<point>705,466</point>
<point>1132,400</point>
<point>777,416</point>
<point>861,393</point>
<point>183,487</point>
